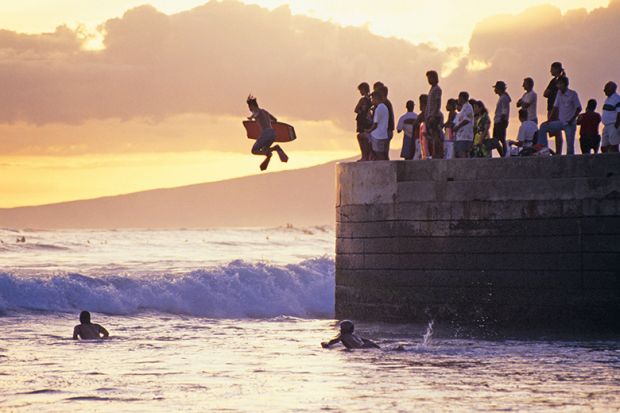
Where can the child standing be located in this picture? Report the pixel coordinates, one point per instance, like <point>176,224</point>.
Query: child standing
<point>590,121</point>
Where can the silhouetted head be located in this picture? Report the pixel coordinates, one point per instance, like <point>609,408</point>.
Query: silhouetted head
<point>346,327</point>
<point>377,86</point>
<point>451,105</point>
<point>432,77</point>
<point>463,98</point>
<point>610,88</point>
<point>528,84</point>
<point>557,69</point>
<point>377,97</point>
<point>384,90</point>
<point>479,107</point>
<point>252,102</point>
<point>85,317</point>
<point>500,87</point>
<point>523,115</point>
<point>562,83</point>
<point>410,105</point>
<point>423,102</point>
<point>364,88</point>
<point>591,107</point>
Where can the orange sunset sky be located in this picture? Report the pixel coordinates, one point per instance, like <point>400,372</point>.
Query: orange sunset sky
<point>102,98</point>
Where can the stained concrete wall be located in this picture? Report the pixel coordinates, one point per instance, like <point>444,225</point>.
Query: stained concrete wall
<point>520,242</point>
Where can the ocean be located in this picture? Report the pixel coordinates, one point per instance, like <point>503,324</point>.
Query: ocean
<point>232,320</point>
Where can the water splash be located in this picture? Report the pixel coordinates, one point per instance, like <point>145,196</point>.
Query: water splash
<point>427,338</point>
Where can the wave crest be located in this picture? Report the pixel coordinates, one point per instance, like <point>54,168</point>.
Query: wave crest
<point>236,290</point>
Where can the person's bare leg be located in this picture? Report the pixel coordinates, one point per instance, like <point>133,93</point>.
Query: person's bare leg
<point>265,163</point>
<point>281,154</point>
<point>365,149</point>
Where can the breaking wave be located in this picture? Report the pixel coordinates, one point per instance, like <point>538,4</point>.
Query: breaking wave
<point>236,290</point>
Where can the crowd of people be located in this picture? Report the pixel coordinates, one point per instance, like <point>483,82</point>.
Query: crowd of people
<point>465,131</point>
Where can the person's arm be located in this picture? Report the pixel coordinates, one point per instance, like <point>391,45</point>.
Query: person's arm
<point>360,107</point>
<point>547,92</point>
<point>76,332</point>
<point>103,331</point>
<point>577,112</point>
<point>399,127</point>
<point>327,344</point>
<point>273,118</point>
<point>579,119</point>
<point>460,125</point>
<point>618,119</point>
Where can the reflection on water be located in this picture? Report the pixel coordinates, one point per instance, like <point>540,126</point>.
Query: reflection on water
<point>173,363</point>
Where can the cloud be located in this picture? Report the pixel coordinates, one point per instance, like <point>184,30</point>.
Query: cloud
<point>178,82</point>
<point>204,60</point>
<point>512,47</point>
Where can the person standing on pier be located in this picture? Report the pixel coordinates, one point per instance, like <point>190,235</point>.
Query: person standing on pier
<point>565,111</point>
<point>529,100</point>
<point>363,119</point>
<point>502,115</point>
<point>433,119</point>
<point>557,71</point>
<point>611,119</point>
<point>464,127</point>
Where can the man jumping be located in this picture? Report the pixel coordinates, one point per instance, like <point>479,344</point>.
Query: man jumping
<point>267,134</point>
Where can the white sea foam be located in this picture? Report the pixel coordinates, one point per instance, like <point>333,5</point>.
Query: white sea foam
<point>236,290</point>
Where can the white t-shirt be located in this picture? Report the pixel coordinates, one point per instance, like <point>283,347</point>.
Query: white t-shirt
<point>526,133</point>
<point>567,104</point>
<point>406,127</point>
<point>532,99</point>
<point>611,108</point>
<point>381,118</point>
<point>465,133</point>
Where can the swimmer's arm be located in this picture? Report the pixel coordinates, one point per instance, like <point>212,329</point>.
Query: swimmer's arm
<point>331,342</point>
<point>103,331</point>
<point>76,332</point>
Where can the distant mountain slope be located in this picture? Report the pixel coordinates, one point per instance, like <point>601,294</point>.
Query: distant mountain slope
<point>299,197</point>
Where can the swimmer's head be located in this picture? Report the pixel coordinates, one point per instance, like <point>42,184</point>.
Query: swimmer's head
<point>346,326</point>
<point>85,317</point>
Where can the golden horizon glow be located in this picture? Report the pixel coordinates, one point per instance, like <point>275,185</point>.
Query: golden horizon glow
<point>108,151</point>
<point>28,181</point>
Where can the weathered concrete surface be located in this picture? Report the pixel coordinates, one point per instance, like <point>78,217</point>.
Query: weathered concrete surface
<point>521,242</point>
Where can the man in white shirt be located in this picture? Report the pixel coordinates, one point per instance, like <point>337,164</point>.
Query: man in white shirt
<point>463,127</point>
<point>527,131</point>
<point>611,119</point>
<point>564,114</point>
<point>377,135</point>
<point>529,100</point>
<point>405,125</point>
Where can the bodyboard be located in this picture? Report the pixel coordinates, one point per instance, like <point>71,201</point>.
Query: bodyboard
<point>284,131</point>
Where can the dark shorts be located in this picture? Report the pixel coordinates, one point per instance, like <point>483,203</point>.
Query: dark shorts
<point>408,149</point>
<point>589,143</point>
<point>499,131</point>
<point>264,142</point>
<point>462,149</point>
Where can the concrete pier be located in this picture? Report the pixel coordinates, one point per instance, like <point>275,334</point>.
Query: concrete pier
<point>518,243</point>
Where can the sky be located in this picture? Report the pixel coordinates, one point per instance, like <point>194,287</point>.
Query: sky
<point>128,97</point>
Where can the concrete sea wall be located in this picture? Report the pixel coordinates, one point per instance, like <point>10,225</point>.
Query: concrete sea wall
<point>519,242</point>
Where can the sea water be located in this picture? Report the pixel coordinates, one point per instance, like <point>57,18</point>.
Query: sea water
<point>232,320</point>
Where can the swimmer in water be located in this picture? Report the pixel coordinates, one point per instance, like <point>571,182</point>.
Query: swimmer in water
<point>88,331</point>
<point>348,338</point>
